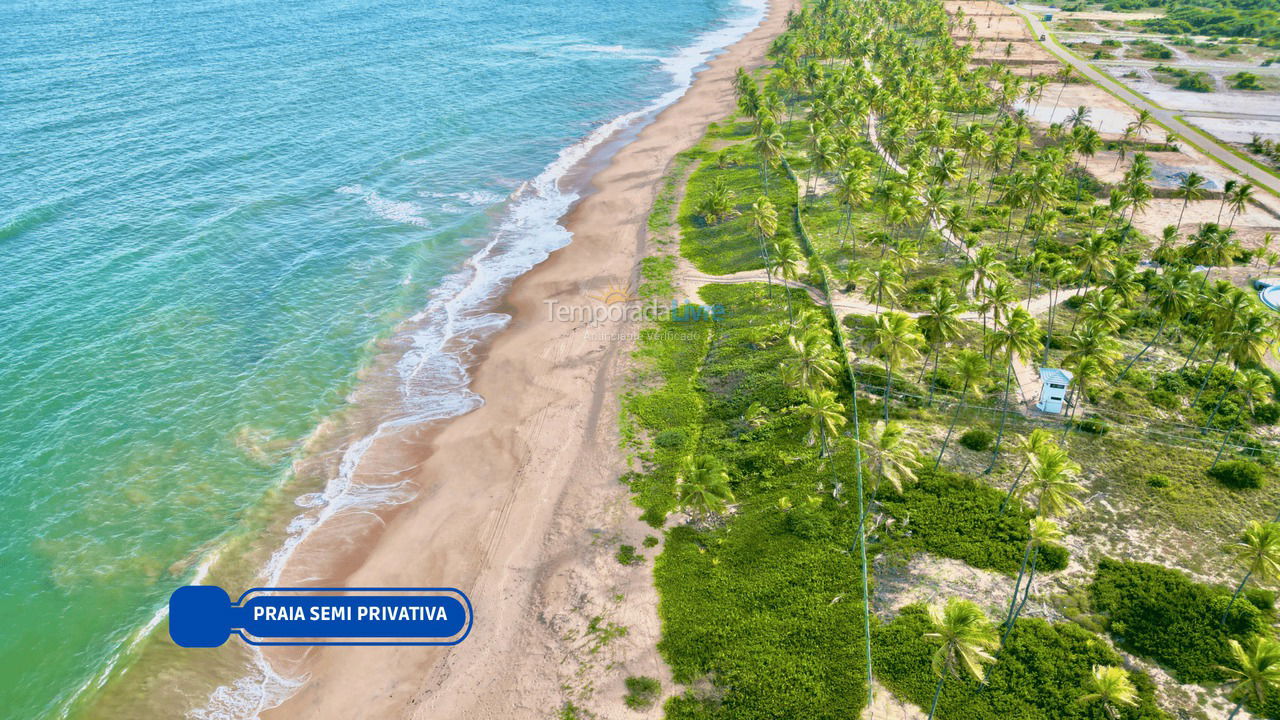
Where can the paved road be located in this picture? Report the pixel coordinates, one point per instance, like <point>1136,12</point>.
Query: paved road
<point>1210,145</point>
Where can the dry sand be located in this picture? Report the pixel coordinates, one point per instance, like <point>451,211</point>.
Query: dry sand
<point>520,505</point>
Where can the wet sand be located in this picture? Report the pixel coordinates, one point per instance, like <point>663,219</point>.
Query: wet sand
<point>519,503</point>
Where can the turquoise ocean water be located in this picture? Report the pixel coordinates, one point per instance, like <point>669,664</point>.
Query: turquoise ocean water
<point>208,214</point>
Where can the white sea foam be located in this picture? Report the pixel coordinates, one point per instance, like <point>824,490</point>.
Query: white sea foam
<point>386,208</point>
<point>433,371</point>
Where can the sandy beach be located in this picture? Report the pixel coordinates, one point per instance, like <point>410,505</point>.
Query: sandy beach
<point>519,503</point>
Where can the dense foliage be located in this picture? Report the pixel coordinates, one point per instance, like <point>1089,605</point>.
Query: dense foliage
<point>1162,614</point>
<point>1041,673</point>
<point>958,517</point>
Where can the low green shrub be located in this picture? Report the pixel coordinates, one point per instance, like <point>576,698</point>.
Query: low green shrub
<point>959,517</point>
<point>650,541</point>
<point>627,555</point>
<point>1042,672</point>
<point>641,691</point>
<point>977,439</point>
<point>1163,615</point>
<point>1156,480</point>
<point>1238,474</point>
<point>1266,413</point>
<point>1093,426</point>
<point>671,439</point>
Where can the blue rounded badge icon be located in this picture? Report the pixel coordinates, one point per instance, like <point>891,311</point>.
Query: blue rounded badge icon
<point>203,616</point>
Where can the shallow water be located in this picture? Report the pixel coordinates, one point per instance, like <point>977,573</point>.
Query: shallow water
<point>211,213</point>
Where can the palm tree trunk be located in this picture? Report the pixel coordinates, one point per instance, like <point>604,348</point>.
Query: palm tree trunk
<point>1182,211</point>
<point>1016,481</point>
<point>1207,375</point>
<point>954,417</point>
<point>1235,710</point>
<point>1226,434</point>
<point>933,379</point>
<point>1236,594</point>
<point>1146,347</point>
<point>888,388</point>
<point>936,694</point>
<point>1022,569</point>
<point>1004,413</point>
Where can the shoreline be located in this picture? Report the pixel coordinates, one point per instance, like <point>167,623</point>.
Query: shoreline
<point>512,493</point>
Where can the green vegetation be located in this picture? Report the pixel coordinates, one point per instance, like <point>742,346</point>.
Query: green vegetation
<point>1016,685</point>
<point>959,517</point>
<point>1245,81</point>
<point>1238,474</point>
<point>642,691</point>
<point>1163,615</point>
<point>923,244</point>
<point>627,555</point>
<point>1183,79</point>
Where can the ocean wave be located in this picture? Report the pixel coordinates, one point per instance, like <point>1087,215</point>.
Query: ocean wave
<point>394,210</point>
<point>439,340</point>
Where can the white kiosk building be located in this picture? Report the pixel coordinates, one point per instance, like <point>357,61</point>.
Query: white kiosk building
<point>1053,389</point>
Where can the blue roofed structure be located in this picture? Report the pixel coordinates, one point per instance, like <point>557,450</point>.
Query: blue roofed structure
<point>1053,389</point>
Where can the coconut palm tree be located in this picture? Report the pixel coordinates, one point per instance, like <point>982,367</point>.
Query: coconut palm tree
<point>702,487</point>
<point>1239,199</point>
<point>1258,552</point>
<point>940,324</point>
<point>768,144</point>
<point>1018,337</point>
<point>1256,671</point>
<point>826,417</point>
<point>812,363</point>
<point>764,220</point>
<point>1030,445</point>
<point>1143,122</point>
<point>882,284</point>
<point>1227,188</point>
<point>1111,688</point>
<point>1093,353</point>
<point>971,369</point>
<point>1052,481</point>
<point>852,191</point>
<point>966,637</point>
<point>895,339</point>
<point>1043,533</point>
<point>1191,188</point>
<point>789,261</point>
<point>1170,298</point>
<point>890,457</point>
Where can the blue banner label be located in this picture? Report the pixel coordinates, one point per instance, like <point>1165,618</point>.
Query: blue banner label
<point>204,616</point>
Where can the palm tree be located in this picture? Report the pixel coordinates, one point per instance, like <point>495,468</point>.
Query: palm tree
<point>1227,189</point>
<point>812,362</point>
<point>1043,533</point>
<point>1111,687</point>
<point>1171,298</point>
<point>1020,337</point>
<point>1093,353</point>
<point>1239,199</point>
<point>1063,76</point>
<point>764,220</point>
<point>883,283</point>
<point>788,259</point>
<point>1258,552</point>
<point>1142,123</point>
<point>971,368</point>
<point>768,145</point>
<point>967,636</point>
<point>940,326</point>
<point>890,456</point>
<point>1052,482</point>
<point>826,417</point>
<point>1257,671</point>
<point>895,339</point>
<point>1035,440</point>
<point>702,488</point>
<point>1191,188</point>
